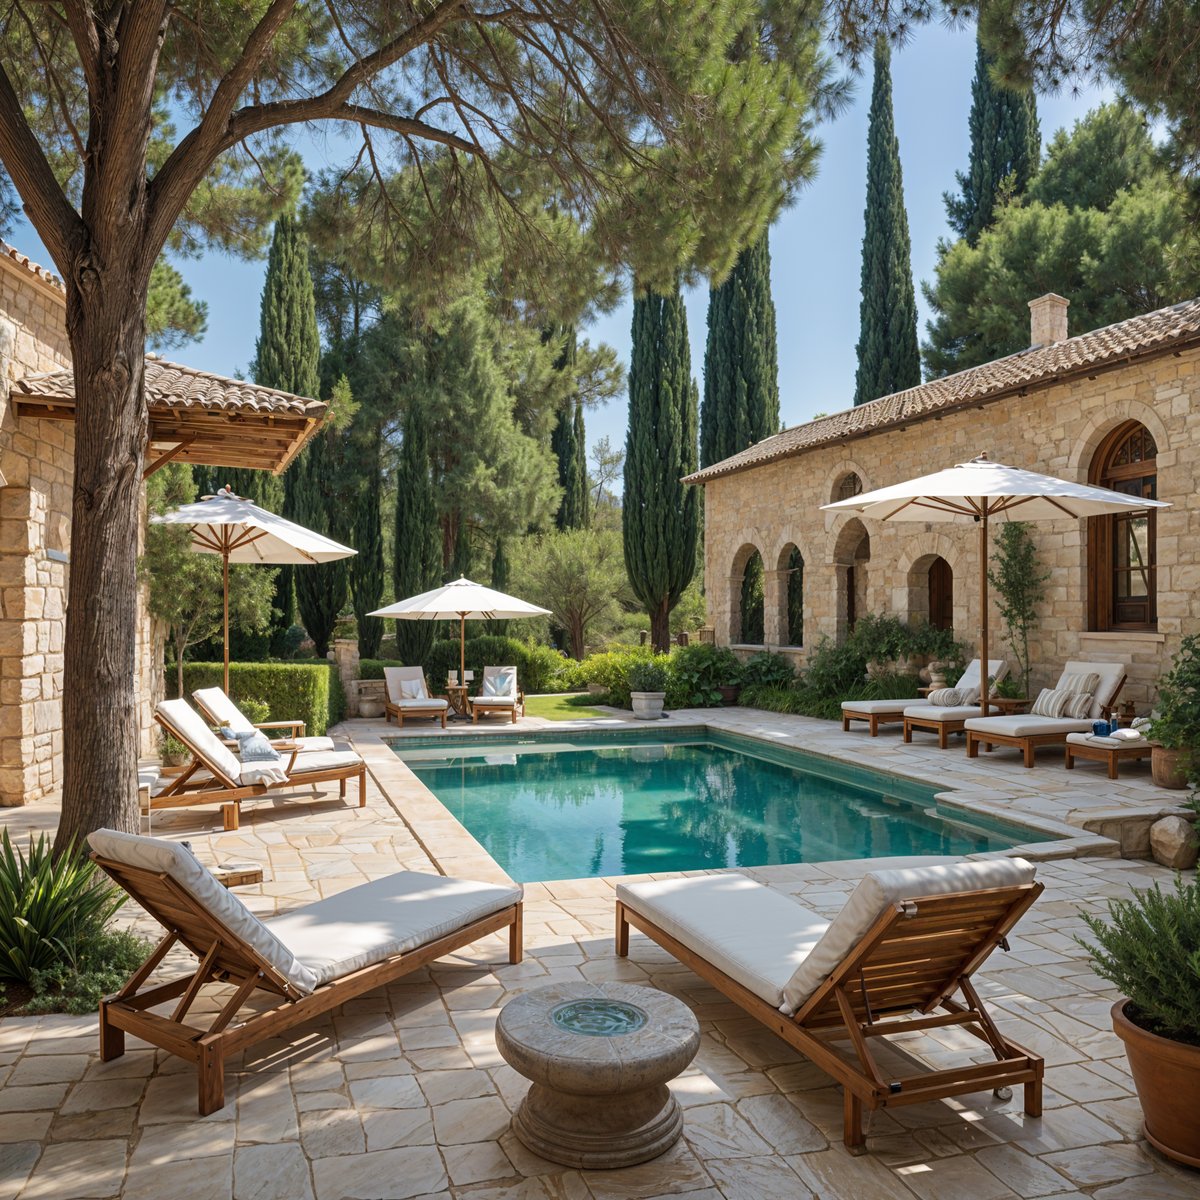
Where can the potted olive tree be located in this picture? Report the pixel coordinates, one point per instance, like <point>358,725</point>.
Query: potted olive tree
<point>1150,948</point>
<point>647,680</point>
<point>1175,726</point>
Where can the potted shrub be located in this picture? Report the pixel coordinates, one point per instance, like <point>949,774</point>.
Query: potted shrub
<point>1175,725</point>
<point>1150,948</point>
<point>647,680</point>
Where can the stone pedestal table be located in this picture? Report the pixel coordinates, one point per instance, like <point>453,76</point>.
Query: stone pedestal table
<point>599,1056</point>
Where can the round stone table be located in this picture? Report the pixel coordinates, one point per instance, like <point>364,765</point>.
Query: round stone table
<point>599,1056</point>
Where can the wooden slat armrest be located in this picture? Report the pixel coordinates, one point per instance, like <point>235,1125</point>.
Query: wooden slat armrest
<point>297,725</point>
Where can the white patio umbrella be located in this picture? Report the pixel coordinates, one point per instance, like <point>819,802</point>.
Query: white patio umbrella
<point>241,532</point>
<point>981,489</point>
<point>465,601</point>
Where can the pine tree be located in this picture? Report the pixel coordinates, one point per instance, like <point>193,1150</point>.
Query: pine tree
<point>741,369</point>
<point>287,357</point>
<point>569,444</point>
<point>1005,148</point>
<point>417,562</point>
<point>888,359</point>
<point>366,567</point>
<point>660,514</point>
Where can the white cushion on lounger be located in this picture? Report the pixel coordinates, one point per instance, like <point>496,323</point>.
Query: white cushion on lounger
<point>875,893</point>
<point>1027,725</point>
<point>882,707</point>
<point>957,712</point>
<point>426,705</point>
<point>214,701</point>
<point>1110,674</point>
<point>388,916</point>
<point>325,760</point>
<point>494,701</point>
<point>754,934</point>
<point>170,858</point>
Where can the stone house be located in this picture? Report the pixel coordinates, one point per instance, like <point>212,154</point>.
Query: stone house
<point>194,417</point>
<point>1118,407</point>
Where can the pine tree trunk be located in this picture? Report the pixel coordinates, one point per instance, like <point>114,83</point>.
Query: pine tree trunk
<point>106,326</point>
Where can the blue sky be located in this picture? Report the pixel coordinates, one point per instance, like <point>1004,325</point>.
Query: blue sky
<point>815,244</point>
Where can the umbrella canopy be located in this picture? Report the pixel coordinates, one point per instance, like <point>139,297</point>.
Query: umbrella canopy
<point>465,601</point>
<point>981,489</point>
<point>241,532</point>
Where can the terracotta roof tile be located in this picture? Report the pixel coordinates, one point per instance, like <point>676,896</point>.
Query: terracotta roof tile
<point>23,260</point>
<point>1151,333</point>
<point>173,386</point>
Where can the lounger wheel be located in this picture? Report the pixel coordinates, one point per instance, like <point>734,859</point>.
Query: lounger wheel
<point>1002,1093</point>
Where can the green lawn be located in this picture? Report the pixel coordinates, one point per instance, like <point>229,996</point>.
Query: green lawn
<point>563,707</point>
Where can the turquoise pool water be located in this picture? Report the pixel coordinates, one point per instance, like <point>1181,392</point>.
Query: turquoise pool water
<point>574,806</point>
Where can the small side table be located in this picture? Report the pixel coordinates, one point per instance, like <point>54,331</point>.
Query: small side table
<point>238,874</point>
<point>1009,706</point>
<point>599,1057</point>
<point>1111,756</point>
<point>460,705</point>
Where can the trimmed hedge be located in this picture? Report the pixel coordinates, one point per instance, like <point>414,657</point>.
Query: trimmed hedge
<point>311,692</point>
<point>536,665</point>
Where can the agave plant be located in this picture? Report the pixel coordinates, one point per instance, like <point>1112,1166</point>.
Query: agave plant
<point>48,906</point>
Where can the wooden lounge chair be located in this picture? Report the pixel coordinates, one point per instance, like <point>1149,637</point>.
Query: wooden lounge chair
<point>305,962</point>
<point>1028,731</point>
<point>408,696</point>
<point>498,693</point>
<point>221,713</point>
<point>907,940</point>
<point>945,719</point>
<point>891,712</point>
<point>215,775</point>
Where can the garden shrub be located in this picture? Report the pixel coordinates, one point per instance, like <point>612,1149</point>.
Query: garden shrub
<point>697,672</point>
<point>308,692</point>
<point>647,675</point>
<point>537,666</point>
<point>766,669</point>
<point>610,671</point>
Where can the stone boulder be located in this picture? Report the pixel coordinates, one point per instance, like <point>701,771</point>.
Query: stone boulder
<point>1173,842</point>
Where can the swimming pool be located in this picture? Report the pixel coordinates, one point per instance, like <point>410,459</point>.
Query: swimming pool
<point>578,805</point>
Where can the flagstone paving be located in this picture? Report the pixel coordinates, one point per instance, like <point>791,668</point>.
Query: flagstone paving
<point>402,1093</point>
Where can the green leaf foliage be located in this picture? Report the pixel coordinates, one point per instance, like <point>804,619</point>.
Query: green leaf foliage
<point>753,603</point>
<point>173,317</point>
<point>50,906</point>
<point>367,566</point>
<point>647,675</point>
<point>1005,148</point>
<point>1149,947</point>
<point>1176,720</point>
<point>417,557</point>
<point>698,672</point>
<point>1018,580</point>
<point>660,514</point>
<point>741,367</point>
<point>537,665</point>
<point>888,358</point>
<point>308,692</point>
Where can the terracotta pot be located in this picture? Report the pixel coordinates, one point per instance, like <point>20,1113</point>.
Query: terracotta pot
<point>729,693</point>
<point>1166,770</point>
<point>1166,1075</point>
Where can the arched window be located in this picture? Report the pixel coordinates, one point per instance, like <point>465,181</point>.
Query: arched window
<point>849,486</point>
<point>752,601</point>
<point>941,594</point>
<point>792,623</point>
<point>1121,554</point>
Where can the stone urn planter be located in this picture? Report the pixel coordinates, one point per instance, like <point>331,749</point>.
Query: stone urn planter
<point>1166,1075</point>
<point>647,706</point>
<point>1166,768</point>
<point>937,675</point>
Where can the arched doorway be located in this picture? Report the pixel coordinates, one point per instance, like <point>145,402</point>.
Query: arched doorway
<point>752,607</point>
<point>791,618</point>
<point>1122,585</point>
<point>851,555</point>
<point>941,594</point>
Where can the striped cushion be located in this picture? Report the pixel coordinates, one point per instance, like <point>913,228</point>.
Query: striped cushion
<point>1079,683</point>
<point>1079,705</point>
<point>1052,702</point>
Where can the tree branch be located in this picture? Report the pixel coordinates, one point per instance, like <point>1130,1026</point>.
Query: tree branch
<point>87,41</point>
<point>56,221</point>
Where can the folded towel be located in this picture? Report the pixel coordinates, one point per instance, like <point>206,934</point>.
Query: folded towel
<point>1118,737</point>
<point>1096,740</point>
<point>1128,735</point>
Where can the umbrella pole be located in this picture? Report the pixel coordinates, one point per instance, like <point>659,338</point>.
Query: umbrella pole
<point>983,619</point>
<point>462,649</point>
<point>225,581</point>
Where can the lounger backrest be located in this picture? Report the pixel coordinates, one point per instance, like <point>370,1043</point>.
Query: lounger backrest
<point>395,676</point>
<point>997,669</point>
<point>216,913</point>
<point>1112,675</point>
<point>492,673</point>
<point>186,724</point>
<point>880,890</point>
<point>222,711</point>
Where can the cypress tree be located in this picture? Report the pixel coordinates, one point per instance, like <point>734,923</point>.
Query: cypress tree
<point>1006,145</point>
<point>741,368</point>
<point>500,574</point>
<point>569,444</point>
<point>660,514</point>
<point>286,356</point>
<point>888,359</point>
<point>417,561</point>
<point>366,567</point>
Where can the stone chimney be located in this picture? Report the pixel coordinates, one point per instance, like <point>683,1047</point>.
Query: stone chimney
<point>1048,319</point>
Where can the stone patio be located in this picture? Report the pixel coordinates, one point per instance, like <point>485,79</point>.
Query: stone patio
<point>402,1093</point>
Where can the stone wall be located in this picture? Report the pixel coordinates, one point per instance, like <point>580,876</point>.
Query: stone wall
<point>1056,430</point>
<point>36,462</point>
